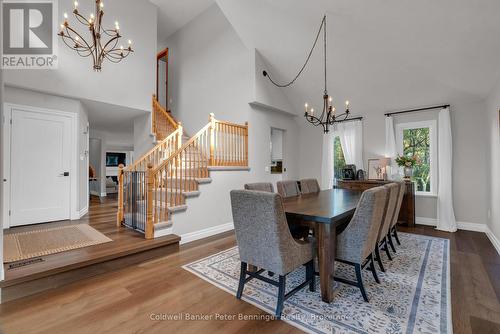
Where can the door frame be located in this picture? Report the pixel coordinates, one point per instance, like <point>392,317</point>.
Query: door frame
<point>73,169</point>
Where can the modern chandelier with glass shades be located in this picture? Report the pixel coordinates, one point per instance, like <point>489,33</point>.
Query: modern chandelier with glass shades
<point>328,115</point>
<point>95,46</point>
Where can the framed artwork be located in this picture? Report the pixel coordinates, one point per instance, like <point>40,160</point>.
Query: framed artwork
<point>375,169</point>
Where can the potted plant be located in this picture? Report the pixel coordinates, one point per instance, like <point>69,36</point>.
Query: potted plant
<point>407,162</point>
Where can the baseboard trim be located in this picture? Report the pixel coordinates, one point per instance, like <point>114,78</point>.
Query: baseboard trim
<point>466,226</point>
<point>494,240</point>
<point>205,233</point>
<point>83,211</point>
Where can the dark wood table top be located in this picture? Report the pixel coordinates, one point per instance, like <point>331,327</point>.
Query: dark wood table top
<point>327,206</point>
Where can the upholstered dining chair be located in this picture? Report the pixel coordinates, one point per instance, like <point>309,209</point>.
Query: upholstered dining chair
<point>393,231</point>
<point>290,188</point>
<point>260,186</point>
<point>308,186</point>
<point>390,207</point>
<point>356,243</point>
<point>264,241</point>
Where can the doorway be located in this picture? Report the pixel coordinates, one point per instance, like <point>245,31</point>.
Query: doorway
<point>39,172</point>
<point>278,168</point>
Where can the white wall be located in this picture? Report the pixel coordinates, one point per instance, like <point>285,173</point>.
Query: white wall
<point>1,154</point>
<point>35,99</point>
<point>470,174</point>
<point>493,132</point>
<point>129,83</point>
<point>210,70</point>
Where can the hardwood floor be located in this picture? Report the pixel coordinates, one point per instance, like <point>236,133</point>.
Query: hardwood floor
<point>126,243</point>
<point>124,301</point>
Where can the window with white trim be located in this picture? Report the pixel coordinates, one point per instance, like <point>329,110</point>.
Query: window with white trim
<point>419,139</point>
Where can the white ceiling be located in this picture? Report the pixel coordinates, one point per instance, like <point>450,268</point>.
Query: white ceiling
<point>173,14</point>
<point>383,54</point>
<point>110,117</point>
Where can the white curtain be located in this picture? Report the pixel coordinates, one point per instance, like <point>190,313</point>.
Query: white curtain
<point>390,145</point>
<point>351,139</point>
<point>327,163</point>
<point>445,212</point>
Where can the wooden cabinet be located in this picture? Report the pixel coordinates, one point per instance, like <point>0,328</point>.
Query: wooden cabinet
<point>407,212</point>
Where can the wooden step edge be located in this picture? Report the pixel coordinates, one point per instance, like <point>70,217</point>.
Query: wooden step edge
<point>228,168</point>
<point>171,239</point>
<point>162,225</point>
<point>177,208</point>
<point>203,180</point>
<point>189,194</point>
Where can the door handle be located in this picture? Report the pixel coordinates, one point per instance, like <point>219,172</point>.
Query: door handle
<point>64,174</point>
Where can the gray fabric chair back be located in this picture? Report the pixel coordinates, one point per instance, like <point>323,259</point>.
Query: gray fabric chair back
<point>392,198</point>
<point>260,186</point>
<point>359,238</point>
<point>308,186</point>
<point>264,239</point>
<point>402,190</point>
<point>288,188</point>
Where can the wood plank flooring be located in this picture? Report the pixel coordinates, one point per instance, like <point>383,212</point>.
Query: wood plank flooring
<point>124,301</point>
<point>102,217</point>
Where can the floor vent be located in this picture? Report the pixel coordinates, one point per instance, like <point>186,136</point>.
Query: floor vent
<point>25,263</point>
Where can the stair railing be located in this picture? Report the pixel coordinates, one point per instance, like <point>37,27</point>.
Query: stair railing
<point>162,123</point>
<point>165,185</point>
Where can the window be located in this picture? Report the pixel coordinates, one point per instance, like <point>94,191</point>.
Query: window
<point>418,139</point>
<point>338,158</point>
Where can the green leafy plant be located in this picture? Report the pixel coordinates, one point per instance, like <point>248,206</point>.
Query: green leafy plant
<point>406,161</point>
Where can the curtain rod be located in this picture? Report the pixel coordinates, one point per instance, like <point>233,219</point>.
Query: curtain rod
<point>350,119</point>
<point>419,109</point>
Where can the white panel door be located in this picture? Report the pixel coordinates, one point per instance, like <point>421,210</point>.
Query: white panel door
<point>40,165</point>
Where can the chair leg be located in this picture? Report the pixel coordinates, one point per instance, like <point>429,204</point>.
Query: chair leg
<point>243,275</point>
<point>379,259</point>
<point>270,273</point>
<point>389,237</point>
<point>396,235</point>
<point>359,279</point>
<point>281,296</point>
<point>372,268</point>
<point>310,276</point>
<point>386,248</point>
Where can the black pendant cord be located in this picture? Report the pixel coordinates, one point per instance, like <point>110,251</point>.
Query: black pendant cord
<point>266,74</point>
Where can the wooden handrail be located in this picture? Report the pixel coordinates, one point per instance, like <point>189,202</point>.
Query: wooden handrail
<point>162,120</point>
<point>165,182</point>
<point>166,147</point>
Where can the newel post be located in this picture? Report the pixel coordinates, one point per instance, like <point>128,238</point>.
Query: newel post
<point>149,228</point>
<point>246,144</point>
<point>153,115</point>
<point>211,119</point>
<point>179,137</point>
<point>119,215</point>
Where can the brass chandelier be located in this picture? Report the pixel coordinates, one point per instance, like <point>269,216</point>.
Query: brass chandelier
<point>328,115</point>
<point>95,46</point>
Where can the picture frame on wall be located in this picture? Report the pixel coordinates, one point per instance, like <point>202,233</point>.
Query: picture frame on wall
<point>375,169</point>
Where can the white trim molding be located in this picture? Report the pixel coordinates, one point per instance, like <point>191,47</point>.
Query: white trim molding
<point>83,212</point>
<point>494,240</point>
<point>466,226</point>
<point>205,233</point>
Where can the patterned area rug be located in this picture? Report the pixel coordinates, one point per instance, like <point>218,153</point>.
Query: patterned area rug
<point>413,297</point>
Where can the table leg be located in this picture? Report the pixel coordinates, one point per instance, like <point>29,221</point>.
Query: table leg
<point>326,255</point>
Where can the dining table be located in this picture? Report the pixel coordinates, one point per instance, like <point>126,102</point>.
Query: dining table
<point>327,210</point>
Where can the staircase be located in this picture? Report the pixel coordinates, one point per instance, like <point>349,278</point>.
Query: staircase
<point>160,183</point>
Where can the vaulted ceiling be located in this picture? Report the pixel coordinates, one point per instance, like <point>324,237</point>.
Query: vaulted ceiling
<point>383,54</point>
<point>174,14</point>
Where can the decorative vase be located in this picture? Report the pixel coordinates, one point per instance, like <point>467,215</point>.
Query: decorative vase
<point>408,172</point>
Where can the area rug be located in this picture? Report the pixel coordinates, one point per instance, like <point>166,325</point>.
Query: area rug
<point>413,297</point>
<point>26,245</point>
